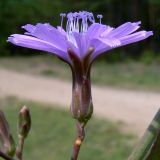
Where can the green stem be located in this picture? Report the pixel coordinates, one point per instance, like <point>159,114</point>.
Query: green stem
<point>143,148</point>
<point>20,146</point>
<point>154,152</point>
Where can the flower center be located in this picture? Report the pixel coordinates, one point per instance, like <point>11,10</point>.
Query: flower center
<point>78,22</point>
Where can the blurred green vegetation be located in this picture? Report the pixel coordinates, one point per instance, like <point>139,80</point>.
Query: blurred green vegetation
<point>16,13</point>
<point>53,132</point>
<point>142,75</point>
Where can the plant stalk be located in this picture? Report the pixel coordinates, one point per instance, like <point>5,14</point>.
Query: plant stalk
<point>19,150</point>
<point>5,156</point>
<point>78,141</point>
<point>148,139</point>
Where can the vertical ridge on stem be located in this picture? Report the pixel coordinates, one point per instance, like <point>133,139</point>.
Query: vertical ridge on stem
<point>143,148</point>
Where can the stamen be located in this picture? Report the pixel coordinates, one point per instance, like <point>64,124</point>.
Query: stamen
<point>75,22</point>
<point>62,17</point>
<point>84,24</point>
<point>78,22</point>
<point>99,16</point>
<point>91,18</point>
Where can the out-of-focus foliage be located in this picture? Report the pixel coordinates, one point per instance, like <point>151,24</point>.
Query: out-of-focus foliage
<point>15,13</point>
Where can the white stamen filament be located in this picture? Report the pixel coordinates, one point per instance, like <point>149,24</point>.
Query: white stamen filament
<point>62,17</point>
<point>99,16</point>
<point>78,22</point>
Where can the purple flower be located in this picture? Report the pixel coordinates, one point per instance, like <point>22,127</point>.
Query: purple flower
<point>79,45</point>
<point>81,33</point>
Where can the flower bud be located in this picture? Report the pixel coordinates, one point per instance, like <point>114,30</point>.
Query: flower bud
<point>24,122</point>
<point>7,144</point>
<point>81,106</point>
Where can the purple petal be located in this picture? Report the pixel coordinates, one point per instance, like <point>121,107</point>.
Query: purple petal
<point>124,29</point>
<point>94,36</point>
<point>61,30</point>
<point>81,43</point>
<point>35,43</point>
<point>99,48</point>
<point>95,30</point>
<point>29,28</point>
<point>103,45</point>
<point>112,42</point>
<point>50,34</point>
<point>107,31</point>
<point>135,37</point>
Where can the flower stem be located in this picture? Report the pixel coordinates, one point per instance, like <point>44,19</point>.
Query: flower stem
<point>154,152</point>
<point>19,150</point>
<point>147,141</point>
<point>78,141</point>
<point>5,156</point>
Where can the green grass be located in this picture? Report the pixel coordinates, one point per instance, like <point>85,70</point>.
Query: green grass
<point>128,75</point>
<point>53,133</point>
<point>131,75</point>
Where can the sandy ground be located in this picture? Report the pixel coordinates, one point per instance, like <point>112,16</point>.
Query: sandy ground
<point>134,108</point>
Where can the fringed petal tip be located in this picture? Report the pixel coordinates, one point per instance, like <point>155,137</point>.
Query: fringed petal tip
<point>137,23</point>
<point>146,34</point>
<point>10,39</point>
<point>29,28</point>
<point>24,27</point>
<point>13,39</point>
<point>149,33</point>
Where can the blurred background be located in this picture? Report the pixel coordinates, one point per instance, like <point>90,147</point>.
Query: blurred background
<point>126,81</point>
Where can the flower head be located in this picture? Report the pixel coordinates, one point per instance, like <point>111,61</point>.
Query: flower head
<point>81,32</point>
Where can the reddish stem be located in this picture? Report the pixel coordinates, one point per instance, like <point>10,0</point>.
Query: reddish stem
<point>78,141</point>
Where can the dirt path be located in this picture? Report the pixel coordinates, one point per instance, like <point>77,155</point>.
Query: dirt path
<point>134,108</point>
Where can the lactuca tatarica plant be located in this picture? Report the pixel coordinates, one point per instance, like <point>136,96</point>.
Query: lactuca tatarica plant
<point>79,43</point>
